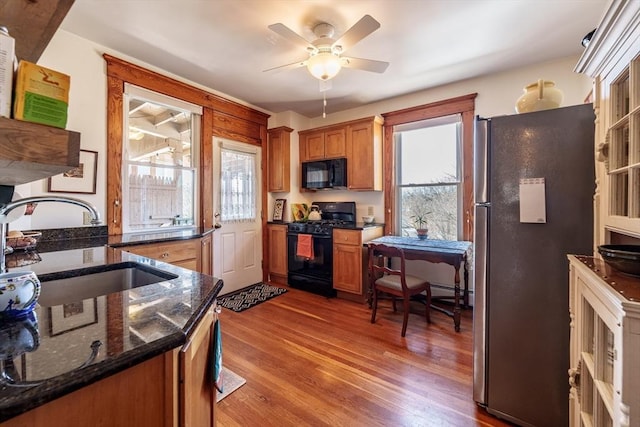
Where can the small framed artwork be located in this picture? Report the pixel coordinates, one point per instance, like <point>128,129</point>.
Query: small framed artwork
<point>68,317</point>
<point>77,180</point>
<point>278,209</point>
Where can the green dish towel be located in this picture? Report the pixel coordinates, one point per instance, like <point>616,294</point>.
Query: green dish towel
<point>216,349</point>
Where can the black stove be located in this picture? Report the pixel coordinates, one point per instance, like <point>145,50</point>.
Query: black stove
<point>342,214</point>
<point>321,227</point>
<point>315,273</point>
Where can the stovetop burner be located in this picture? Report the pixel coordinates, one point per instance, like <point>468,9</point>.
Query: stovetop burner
<point>333,214</point>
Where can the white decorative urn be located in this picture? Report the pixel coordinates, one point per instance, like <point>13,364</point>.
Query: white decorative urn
<point>541,95</point>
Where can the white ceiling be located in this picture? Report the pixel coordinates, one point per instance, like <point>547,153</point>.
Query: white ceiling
<point>225,44</point>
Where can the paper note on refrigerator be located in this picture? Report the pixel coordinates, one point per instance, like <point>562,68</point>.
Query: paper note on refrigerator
<point>532,200</point>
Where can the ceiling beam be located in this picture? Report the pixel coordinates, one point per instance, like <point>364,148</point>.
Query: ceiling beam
<point>33,23</point>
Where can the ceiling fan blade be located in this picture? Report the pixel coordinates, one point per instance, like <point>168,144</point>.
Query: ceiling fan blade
<point>290,35</point>
<point>361,29</point>
<point>291,66</point>
<point>364,64</point>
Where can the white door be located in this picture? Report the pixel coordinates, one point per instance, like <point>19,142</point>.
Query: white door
<point>237,245</point>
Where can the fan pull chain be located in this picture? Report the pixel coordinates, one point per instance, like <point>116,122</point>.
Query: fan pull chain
<point>324,105</point>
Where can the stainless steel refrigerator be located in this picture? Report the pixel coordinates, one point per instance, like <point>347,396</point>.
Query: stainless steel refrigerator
<point>534,187</point>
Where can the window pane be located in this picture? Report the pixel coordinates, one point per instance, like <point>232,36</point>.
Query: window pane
<point>429,155</point>
<point>160,197</point>
<point>437,204</point>
<point>238,186</point>
<point>428,179</point>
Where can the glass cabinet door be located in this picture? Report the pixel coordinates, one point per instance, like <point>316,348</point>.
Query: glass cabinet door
<point>624,143</point>
<point>597,355</point>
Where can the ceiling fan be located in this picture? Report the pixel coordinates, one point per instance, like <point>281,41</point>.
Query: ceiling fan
<point>325,53</point>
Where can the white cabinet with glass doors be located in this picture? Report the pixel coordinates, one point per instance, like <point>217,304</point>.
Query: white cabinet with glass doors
<point>605,346</point>
<point>613,60</point>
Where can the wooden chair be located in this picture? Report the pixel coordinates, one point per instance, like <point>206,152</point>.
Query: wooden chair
<point>395,282</point>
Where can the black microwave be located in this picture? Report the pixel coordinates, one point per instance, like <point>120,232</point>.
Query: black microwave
<point>324,174</point>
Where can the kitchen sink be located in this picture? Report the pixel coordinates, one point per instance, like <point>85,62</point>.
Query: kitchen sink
<point>76,285</point>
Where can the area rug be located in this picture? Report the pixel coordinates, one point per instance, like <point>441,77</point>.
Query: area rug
<point>250,296</point>
<point>230,383</point>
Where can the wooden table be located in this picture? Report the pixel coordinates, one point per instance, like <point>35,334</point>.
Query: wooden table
<point>452,252</point>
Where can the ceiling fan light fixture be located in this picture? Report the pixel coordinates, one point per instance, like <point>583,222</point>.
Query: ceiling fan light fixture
<point>324,65</point>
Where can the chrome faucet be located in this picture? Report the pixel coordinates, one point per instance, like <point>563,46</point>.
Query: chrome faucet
<point>8,207</point>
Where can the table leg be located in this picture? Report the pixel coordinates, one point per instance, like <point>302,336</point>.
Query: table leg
<point>456,303</point>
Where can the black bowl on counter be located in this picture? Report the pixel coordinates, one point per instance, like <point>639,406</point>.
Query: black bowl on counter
<point>624,258</point>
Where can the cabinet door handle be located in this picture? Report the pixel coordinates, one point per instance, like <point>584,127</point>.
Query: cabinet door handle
<point>116,203</point>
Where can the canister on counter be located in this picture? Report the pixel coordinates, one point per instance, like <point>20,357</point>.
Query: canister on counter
<point>7,55</point>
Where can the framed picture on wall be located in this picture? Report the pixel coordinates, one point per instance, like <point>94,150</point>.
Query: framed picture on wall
<point>278,209</point>
<point>68,317</point>
<point>77,180</point>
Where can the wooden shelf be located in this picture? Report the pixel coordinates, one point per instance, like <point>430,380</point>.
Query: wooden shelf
<point>30,151</point>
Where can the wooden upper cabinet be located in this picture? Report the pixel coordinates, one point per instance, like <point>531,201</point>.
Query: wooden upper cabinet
<point>335,143</point>
<point>312,146</point>
<point>279,159</point>
<point>324,143</point>
<point>364,155</point>
<point>359,141</point>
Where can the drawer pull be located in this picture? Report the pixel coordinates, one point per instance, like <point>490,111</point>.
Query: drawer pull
<point>164,255</point>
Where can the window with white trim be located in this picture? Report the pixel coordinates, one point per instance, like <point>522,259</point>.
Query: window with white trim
<point>159,167</point>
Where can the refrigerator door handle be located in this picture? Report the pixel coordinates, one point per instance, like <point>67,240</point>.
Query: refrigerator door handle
<point>481,159</point>
<point>479,305</point>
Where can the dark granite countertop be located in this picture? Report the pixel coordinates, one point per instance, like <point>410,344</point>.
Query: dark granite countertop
<point>156,237</point>
<point>50,355</point>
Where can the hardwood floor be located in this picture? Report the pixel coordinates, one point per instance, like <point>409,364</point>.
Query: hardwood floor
<point>313,361</point>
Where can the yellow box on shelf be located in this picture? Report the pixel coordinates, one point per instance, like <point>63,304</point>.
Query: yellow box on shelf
<point>41,95</point>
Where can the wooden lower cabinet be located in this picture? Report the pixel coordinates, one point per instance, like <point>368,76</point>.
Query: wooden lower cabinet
<point>197,395</point>
<point>350,259</point>
<point>194,254</point>
<point>206,255</point>
<point>347,261</point>
<point>277,235</point>
<point>172,390</point>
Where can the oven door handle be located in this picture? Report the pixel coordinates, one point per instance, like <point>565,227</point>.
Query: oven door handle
<point>315,236</point>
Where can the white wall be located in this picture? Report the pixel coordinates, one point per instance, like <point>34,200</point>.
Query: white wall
<point>83,61</point>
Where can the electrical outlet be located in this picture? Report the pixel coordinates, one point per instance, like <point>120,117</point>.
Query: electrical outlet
<point>370,210</point>
<point>86,218</point>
